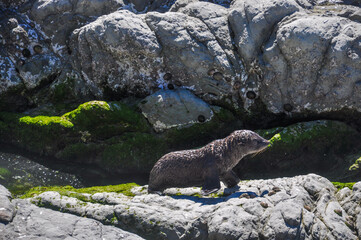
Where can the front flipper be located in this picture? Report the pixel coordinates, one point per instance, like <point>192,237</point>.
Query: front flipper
<point>230,179</point>
<point>211,179</point>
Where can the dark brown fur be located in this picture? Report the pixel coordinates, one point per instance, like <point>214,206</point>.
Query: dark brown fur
<point>205,166</point>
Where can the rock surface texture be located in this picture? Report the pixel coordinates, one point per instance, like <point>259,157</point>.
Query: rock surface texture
<point>301,207</point>
<point>290,58</point>
<point>32,222</point>
<point>166,109</point>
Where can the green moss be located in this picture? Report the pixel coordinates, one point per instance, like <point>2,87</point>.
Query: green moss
<point>113,134</point>
<point>340,185</point>
<point>4,173</point>
<point>106,119</point>
<point>69,191</point>
<point>269,133</point>
<point>90,122</point>
<point>46,122</point>
<point>114,219</point>
<point>18,188</point>
<point>296,135</point>
<point>356,165</point>
<point>42,133</point>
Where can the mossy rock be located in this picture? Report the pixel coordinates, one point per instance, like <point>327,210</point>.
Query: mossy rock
<point>4,173</point>
<point>40,134</point>
<point>318,147</point>
<point>90,122</point>
<point>70,191</point>
<point>107,119</point>
<point>341,185</point>
<point>113,135</point>
<point>356,166</point>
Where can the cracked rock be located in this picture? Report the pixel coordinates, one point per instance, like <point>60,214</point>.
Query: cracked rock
<point>178,216</point>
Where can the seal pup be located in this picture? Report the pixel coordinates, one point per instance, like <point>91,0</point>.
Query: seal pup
<point>206,166</point>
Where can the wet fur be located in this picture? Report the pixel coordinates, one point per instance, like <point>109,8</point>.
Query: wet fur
<point>205,166</point>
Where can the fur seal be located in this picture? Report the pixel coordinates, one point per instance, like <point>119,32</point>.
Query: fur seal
<point>206,166</point>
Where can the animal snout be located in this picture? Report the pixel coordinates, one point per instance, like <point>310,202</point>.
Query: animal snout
<point>265,143</point>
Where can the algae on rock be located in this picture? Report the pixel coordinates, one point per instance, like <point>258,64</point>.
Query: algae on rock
<point>112,135</point>
<point>80,193</point>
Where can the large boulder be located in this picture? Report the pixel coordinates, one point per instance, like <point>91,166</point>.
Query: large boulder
<point>192,55</point>
<point>67,16</point>
<point>301,207</point>
<point>119,53</point>
<point>35,222</point>
<point>278,59</point>
<point>179,108</point>
<point>28,62</point>
<point>312,65</point>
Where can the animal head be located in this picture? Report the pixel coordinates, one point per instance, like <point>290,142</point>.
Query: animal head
<point>250,141</point>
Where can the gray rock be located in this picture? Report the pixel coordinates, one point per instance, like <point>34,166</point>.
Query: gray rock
<point>40,69</point>
<point>117,51</point>
<point>7,209</point>
<point>174,108</point>
<point>26,60</point>
<point>66,16</point>
<point>252,22</point>
<point>193,55</point>
<point>301,69</point>
<point>215,17</point>
<point>304,207</point>
<point>22,174</point>
<point>32,222</point>
<point>180,4</point>
<point>294,56</point>
<point>140,5</point>
<point>11,3</point>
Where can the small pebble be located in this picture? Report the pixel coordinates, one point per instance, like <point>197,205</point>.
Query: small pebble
<point>308,208</point>
<point>271,193</point>
<point>245,195</point>
<point>264,204</point>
